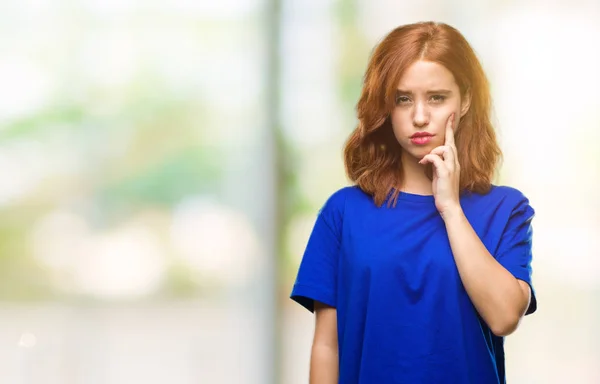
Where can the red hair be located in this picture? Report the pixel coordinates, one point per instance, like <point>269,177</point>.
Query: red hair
<point>372,152</point>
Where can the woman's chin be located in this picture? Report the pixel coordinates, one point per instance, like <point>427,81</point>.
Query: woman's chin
<point>418,154</point>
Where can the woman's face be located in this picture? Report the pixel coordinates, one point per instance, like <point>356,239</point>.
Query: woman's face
<point>427,95</point>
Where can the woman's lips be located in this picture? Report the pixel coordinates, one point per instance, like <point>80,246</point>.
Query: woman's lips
<point>420,140</point>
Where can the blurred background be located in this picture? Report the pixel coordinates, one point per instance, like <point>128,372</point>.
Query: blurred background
<point>162,164</point>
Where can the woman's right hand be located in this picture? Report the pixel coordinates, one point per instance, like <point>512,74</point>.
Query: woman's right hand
<point>324,360</point>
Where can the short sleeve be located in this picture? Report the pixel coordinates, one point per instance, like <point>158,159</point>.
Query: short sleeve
<point>317,274</point>
<point>515,249</point>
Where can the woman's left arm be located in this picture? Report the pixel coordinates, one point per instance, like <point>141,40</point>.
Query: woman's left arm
<point>499,297</point>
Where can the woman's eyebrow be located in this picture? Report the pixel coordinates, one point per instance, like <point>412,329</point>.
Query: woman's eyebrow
<point>436,91</point>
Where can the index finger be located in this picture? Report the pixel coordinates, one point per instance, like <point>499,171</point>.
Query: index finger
<point>450,130</point>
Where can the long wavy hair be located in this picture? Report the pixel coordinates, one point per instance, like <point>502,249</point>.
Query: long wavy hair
<point>372,154</point>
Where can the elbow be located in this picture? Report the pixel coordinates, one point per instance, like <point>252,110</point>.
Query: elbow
<point>508,318</point>
<point>506,326</point>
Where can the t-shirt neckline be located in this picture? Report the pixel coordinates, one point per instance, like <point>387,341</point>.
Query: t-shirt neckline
<point>416,198</point>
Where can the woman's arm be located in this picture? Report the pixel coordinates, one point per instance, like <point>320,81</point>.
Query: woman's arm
<point>324,362</point>
<point>498,296</point>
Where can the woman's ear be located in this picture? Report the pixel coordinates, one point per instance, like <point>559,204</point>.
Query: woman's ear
<point>465,103</point>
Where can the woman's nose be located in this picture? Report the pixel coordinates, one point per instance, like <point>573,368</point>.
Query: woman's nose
<point>421,115</point>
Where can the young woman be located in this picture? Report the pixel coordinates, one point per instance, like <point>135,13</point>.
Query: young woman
<point>418,270</point>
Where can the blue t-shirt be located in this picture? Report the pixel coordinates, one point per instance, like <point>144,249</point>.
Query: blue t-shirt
<point>403,314</point>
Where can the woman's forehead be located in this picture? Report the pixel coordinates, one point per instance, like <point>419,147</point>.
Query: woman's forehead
<point>426,76</point>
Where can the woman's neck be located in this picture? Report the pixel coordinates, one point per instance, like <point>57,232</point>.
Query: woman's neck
<point>415,178</point>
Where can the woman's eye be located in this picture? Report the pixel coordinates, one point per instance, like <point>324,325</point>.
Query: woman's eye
<point>438,98</point>
<point>402,99</point>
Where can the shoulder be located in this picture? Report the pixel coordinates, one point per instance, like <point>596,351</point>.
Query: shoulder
<point>502,204</point>
<point>512,199</point>
<point>512,209</point>
<point>508,192</point>
<point>337,204</point>
<point>501,196</point>
<point>501,211</point>
<point>344,196</point>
